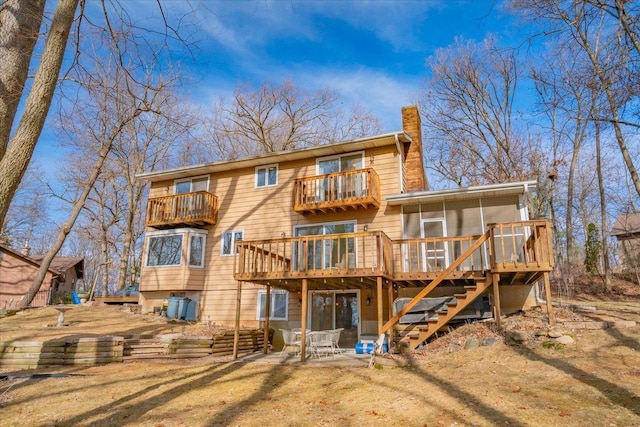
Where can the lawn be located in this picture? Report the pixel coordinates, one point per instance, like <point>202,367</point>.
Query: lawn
<point>594,382</point>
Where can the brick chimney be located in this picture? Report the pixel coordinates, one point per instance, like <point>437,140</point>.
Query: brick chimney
<point>415,177</point>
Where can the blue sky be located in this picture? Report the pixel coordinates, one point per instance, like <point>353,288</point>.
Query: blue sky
<point>371,52</point>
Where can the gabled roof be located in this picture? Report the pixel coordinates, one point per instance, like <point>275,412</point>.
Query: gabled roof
<point>463,193</point>
<point>27,259</point>
<point>626,224</point>
<point>395,138</point>
<point>62,264</point>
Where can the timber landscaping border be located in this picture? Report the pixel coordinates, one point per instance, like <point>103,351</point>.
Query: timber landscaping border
<point>116,349</point>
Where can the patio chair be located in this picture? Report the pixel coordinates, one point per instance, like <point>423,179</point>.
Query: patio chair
<point>377,349</point>
<point>335,337</point>
<point>321,343</point>
<point>291,339</point>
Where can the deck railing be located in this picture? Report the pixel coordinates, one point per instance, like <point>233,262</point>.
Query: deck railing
<point>511,247</point>
<point>433,255</point>
<point>309,256</point>
<point>521,246</point>
<point>197,208</point>
<point>355,188</point>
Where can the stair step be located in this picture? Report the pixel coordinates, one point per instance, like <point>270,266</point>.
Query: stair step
<point>461,296</point>
<point>470,287</point>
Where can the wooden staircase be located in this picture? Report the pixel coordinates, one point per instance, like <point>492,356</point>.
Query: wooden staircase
<point>452,309</point>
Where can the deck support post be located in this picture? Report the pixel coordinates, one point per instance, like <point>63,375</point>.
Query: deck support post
<point>236,335</point>
<point>303,322</point>
<point>267,313</point>
<point>547,292</point>
<point>497,310</point>
<point>379,298</point>
<point>390,310</point>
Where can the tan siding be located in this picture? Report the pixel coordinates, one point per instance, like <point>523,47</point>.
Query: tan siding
<point>264,213</point>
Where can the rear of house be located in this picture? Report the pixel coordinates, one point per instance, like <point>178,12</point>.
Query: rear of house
<point>334,235</point>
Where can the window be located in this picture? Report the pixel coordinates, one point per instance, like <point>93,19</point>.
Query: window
<point>196,251</point>
<point>279,305</point>
<point>266,176</point>
<point>164,250</point>
<point>229,240</point>
<point>191,185</point>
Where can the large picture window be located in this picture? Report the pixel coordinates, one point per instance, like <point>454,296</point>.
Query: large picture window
<point>191,185</point>
<point>266,176</point>
<point>229,240</point>
<point>279,305</point>
<point>164,250</point>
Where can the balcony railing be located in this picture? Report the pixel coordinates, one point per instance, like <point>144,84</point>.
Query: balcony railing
<point>512,247</point>
<point>356,189</point>
<point>189,209</point>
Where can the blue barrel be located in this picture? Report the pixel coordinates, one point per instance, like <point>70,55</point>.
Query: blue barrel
<point>183,303</point>
<point>172,307</point>
<point>191,311</point>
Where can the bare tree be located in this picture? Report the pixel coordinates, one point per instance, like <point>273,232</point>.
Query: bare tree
<point>19,26</point>
<point>606,36</point>
<point>281,117</point>
<point>110,97</point>
<point>468,110</point>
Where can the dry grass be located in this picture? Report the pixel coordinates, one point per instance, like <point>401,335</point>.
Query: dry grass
<point>594,382</point>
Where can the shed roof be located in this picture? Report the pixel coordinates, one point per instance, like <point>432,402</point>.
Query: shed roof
<point>464,193</point>
<point>626,224</point>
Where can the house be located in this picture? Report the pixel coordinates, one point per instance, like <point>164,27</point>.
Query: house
<point>626,229</point>
<point>18,269</point>
<point>330,236</point>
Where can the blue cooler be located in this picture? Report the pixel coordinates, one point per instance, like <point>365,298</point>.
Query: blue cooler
<point>367,347</point>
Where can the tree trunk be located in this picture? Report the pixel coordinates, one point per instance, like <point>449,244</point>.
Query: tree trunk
<point>603,202</point>
<point>16,159</point>
<point>19,25</point>
<point>66,228</point>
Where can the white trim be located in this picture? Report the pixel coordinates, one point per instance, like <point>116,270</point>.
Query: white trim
<point>266,168</point>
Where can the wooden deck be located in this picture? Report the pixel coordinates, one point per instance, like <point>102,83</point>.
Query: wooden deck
<point>341,191</point>
<point>514,253</point>
<point>182,210</point>
<point>517,251</point>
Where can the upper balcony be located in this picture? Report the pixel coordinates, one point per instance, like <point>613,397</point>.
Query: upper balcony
<point>182,210</point>
<point>340,191</point>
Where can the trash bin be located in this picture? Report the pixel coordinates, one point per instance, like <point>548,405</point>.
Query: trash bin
<point>191,311</point>
<point>172,307</point>
<point>183,303</point>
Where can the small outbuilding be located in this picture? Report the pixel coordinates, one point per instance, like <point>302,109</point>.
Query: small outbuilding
<point>626,229</point>
<point>18,269</point>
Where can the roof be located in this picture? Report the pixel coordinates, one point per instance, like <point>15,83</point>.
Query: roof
<point>28,260</point>
<point>626,224</point>
<point>63,264</point>
<point>463,193</point>
<point>282,156</point>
